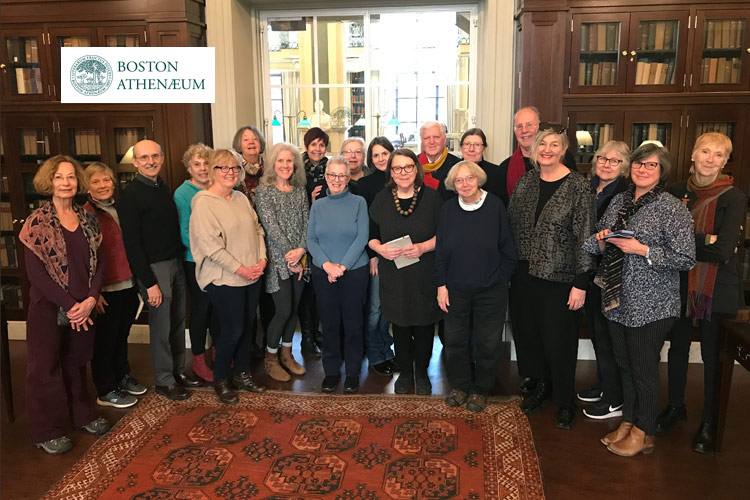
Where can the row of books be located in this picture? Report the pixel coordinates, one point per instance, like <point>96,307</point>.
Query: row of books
<point>126,137</point>
<point>601,73</point>
<point>76,41</point>
<point>122,41</point>
<point>654,73</point>
<point>35,142</point>
<point>12,296</point>
<point>6,216</point>
<point>724,33</point>
<point>600,36</point>
<point>720,70</point>
<point>29,81</point>
<point>86,141</point>
<point>8,251</point>
<point>661,132</point>
<point>657,35</point>
<point>26,53</point>
<point>726,128</point>
<point>601,134</point>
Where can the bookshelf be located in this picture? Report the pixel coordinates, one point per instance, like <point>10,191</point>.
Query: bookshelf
<point>23,67</point>
<point>721,57</point>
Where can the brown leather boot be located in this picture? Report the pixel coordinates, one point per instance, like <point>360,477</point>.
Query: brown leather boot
<point>636,442</point>
<point>244,380</point>
<point>288,361</point>
<point>274,368</point>
<point>225,394</point>
<point>618,434</point>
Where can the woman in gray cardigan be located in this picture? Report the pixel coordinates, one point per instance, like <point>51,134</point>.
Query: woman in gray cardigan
<point>640,280</point>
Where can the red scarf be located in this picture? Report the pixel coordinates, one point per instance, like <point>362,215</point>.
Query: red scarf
<point>429,180</point>
<point>516,169</point>
<point>702,278</point>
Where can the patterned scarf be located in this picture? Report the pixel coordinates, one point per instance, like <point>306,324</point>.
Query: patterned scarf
<point>431,167</point>
<point>253,173</point>
<point>516,169</point>
<point>315,174</point>
<point>42,234</point>
<point>609,277</point>
<point>702,278</point>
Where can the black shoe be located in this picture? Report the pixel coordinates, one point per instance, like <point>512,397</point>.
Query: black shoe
<point>330,382</point>
<point>704,440</point>
<point>532,403</point>
<point>403,383</point>
<point>225,394</point>
<point>187,381</point>
<point>423,386</point>
<point>173,392</point>
<point>308,346</point>
<point>527,385</point>
<point>566,414</point>
<point>669,417</point>
<point>244,380</point>
<point>394,365</point>
<point>593,395</point>
<point>351,384</point>
<point>318,337</point>
<point>603,410</point>
<point>383,368</point>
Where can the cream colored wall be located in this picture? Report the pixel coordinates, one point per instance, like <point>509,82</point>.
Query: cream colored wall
<point>239,98</point>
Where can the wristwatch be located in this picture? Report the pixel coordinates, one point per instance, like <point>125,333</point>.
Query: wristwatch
<point>648,256</point>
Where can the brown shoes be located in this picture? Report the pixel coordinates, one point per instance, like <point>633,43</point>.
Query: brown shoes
<point>244,380</point>
<point>288,361</point>
<point>634,443</point>
<point>618,434</point>
<point>274,368</point>
<point>225,394</point>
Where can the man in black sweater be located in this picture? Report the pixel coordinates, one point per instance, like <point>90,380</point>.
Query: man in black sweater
<point>151,234</point>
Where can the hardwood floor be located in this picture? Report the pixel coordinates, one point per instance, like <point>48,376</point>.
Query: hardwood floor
<point>574,463</point>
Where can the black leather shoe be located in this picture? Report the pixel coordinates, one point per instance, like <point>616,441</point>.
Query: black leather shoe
<point>351,384</point>
<point>669,417</point>
<point>244,381</point>
<point>532,403</point>
<point>173,392</point>
<point>566,414</point>
<point>383,368</point>
<point>225,394</point>
<point>704,440</point>
<point>308,346</point>
<point>527,385</point>
<point>186,381</point>
<point>394,365</point>
<point>330,382</point>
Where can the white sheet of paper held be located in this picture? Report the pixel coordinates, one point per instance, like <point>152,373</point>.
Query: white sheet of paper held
<point>402,261</point>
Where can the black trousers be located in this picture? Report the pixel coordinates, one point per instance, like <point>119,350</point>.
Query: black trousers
<point>286,302</point>
<point>109,363</point>
<point>266,311</point>
<point>234,308</point>
<point>545,333</point>
<point>200,312</point>
<point>413,346</point>
<point>637,353</point>
<point>308,309</point>
<point>607,373</point>
<point>342,303</point>
<point>680,337</point>
<point>483,336</point>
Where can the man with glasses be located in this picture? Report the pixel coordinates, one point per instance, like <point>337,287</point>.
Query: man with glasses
<point>151,234</point>
<point>435,158</point>
<point>526,123</point>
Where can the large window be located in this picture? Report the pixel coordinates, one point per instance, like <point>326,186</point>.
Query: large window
<point>369,72</point>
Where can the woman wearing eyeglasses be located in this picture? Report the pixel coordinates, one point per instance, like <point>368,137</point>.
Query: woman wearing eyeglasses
<point>551,213</point>
<point>336,236</point>
<point>407,208</point>
<point>281,201</point>
<point>611,166</point>
<point>475,257</point>
<point>712,290</point>
<point>639,277</point>
<point>353,149</point>
<point>473,145</point>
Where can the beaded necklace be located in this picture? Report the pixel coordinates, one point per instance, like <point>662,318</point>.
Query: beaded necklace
<point>413,204</point>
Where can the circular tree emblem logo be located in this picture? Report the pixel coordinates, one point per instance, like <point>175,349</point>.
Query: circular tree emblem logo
<point>91,75</point>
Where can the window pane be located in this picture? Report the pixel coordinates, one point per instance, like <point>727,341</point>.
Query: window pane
<point>290,50</point>
<point>340,48</point>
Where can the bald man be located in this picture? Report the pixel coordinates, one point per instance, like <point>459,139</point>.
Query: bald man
<point>151,234</point>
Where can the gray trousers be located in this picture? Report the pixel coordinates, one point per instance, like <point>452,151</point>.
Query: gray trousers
<point>167,322</point>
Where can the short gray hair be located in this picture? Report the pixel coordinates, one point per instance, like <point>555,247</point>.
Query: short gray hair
<point>430,124</point>
<point>622,150</point>
<point>338,160</point>
<point>353,139</point>
<point>473,168</point>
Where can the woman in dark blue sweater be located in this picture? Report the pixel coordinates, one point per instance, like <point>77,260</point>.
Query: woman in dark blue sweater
<point>474,258</point>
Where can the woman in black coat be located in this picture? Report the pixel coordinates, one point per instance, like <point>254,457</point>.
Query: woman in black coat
<point>712,290</point>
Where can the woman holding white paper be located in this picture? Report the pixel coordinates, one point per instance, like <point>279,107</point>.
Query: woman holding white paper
<point>407,294</point>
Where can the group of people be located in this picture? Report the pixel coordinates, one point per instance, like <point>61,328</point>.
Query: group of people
<point>379,246</point>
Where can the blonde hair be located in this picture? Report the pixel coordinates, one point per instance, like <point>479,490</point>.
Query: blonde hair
<point>473,168</point>
<point>45,174</point>
<point>220,157</point>
<point>715,139</point>
<point>539,137</point>
<point>622,150</point>
<point>98,167</point>
<point>298,177</point>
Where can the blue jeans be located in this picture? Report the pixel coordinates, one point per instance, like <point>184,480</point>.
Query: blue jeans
<point>377,337</point>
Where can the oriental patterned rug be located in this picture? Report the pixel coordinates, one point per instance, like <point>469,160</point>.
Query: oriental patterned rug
<point>298,446</point>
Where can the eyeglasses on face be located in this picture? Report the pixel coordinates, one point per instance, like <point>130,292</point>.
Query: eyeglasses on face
<point>472,145</point>
<point>145,158</point>
<point>335,177</point>
<point>351,152</point>
<point>225,169</point>
<point>406,168</point>
<point>526,125</point>
<point>467,179</point>
<point>650,165</point>
<point>601,160</point>
<point>555,127</point>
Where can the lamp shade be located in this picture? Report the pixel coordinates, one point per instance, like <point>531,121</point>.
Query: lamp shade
<point>127,158</point>
<point>304,122</point>
<point>275,122</point>
<point>584,138</point>
<point>360,122</point>
<point>393,122</point>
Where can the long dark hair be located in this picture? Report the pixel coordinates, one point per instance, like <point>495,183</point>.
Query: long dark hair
<point>378,141</point>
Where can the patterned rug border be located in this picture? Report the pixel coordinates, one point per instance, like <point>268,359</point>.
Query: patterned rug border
<point>114,451</point>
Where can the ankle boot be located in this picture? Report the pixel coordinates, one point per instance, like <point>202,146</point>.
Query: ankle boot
<point>620,433</point>
<point>288,361</point>
<point>274,369</point>
<point>636,442</point>
<point>225,394</point>
<point>308,345</point>
<point>201,369</point>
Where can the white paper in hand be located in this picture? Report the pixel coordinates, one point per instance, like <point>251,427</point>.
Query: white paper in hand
<point>402,261</point>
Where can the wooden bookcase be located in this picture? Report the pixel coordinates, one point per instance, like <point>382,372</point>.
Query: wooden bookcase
<point>36,125</point>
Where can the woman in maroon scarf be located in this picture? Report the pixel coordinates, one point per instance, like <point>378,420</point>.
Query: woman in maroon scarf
<point>61,243</point>
<point>712,290</point>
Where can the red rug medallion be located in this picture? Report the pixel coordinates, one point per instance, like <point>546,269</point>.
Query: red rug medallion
<point>294,447</point>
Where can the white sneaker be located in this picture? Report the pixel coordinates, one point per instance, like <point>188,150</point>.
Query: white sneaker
<point>603,411</point>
